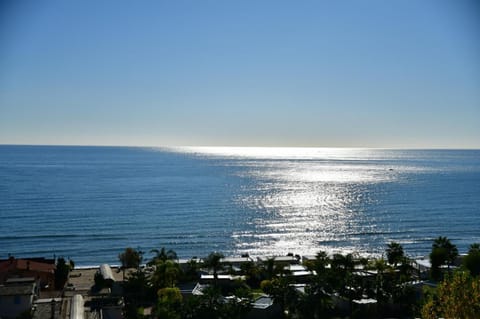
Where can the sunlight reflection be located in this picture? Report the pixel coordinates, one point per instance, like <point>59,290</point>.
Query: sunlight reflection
<point>304,199</point>
<point>299,212</point>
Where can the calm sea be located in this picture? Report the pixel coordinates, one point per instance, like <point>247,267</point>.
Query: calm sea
<point>89,203</point>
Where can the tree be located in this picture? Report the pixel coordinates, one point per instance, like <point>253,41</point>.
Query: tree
<point>250,269</point>
<point>315,302</point>
<point>443,252</point>
<point>137,290</point>
<point>162,255</point>
<point>191,272</point>
<point>451,251</point>
<point>394,253</point>
<point>206,306</point>
<point>213,261</point>
<point>166,274</point>
<point>472,261</point>
<point>169,303</point>
<point>130,258</point>
<point>282,293</point>
<point>458,296</point>
<point>61,273</point>
<point>270,269</point>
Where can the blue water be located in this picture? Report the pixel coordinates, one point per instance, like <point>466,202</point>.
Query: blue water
<point>89,203</point>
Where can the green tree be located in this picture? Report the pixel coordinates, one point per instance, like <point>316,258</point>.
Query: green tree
<point>206,306</point>
<point>471,262</point>
<point>130,258</point>
<point>191,271</point>
<point>61,273</point>
<point>166,274</point>
<point>458,296</point>
<point>315,302</point>
<point>395,253</point>
<point>270,269</point>
<point>252,272</point>
<point>169,303</point>
<point>137,291</point>
<point>443,253</point>
<point>238,304</point>
<point>214,262</point>
<point>282,292</point>
<point>162,255</point>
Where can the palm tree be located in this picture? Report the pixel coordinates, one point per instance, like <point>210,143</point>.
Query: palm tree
<point>472,260</point>
<point>443,252</point>
<point>445,247</point>
<point>252,271</point>
<point>394,253</point>
<point>162,255</point>
<point>130,258</point>
<point>213,261</point>
<point>474,248</point>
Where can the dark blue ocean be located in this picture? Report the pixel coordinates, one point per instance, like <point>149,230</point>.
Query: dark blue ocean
<point>89,203</point>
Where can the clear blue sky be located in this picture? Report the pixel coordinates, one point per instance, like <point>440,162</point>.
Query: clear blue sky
<point>400,73</point>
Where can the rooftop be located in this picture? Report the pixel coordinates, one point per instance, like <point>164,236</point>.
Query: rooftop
<point>17,290</point>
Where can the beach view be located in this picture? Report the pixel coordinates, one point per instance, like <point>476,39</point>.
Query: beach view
<point>239,160</point>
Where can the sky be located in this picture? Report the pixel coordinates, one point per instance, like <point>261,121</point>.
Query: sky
<point>392,74</point>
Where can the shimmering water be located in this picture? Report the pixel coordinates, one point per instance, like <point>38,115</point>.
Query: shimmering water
<point>89,203</point>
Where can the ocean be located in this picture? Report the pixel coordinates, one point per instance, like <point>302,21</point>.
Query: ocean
<point>89,203</point>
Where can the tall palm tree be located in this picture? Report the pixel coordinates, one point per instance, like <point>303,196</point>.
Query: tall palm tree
<point>162,255</point>
<point>213,261</point>
<point>449,250</point>
<point>394,253</point>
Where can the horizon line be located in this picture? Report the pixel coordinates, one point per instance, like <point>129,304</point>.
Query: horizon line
<point>245,146</point>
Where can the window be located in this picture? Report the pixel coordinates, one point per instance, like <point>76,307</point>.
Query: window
<point>17,300</point>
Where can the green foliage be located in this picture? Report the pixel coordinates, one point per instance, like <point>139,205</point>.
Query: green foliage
<point>162,255</point>
<point>443,253</point>
<point>61,273</point>
<point>213,261</point>
<point>212,305</point>
<point>130,258</point>
<point>395,253</point>
<point>166,274</point>
<point>314,303</point>
<point>471,262</point>
<point>458,296</point>
<point>191,271</point>
<point>169,303</point>
<point>252,271</point>
<point>282,292</point>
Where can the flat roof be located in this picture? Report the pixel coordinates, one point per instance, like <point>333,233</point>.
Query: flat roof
<point>17,290</point>
<point>20,280</point>
<point>263,302</point>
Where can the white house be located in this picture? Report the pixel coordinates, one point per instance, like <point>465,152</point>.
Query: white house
<point>15,299</point>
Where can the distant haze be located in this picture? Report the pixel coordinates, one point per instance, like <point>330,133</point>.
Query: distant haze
<point>394,74</point>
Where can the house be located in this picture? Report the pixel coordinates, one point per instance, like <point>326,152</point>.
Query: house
<point>281,260</point>
<point>264,308</point>
<point>41,269</point>
<point>16,299</point>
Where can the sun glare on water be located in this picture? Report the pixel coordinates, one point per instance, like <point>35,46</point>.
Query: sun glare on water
<point>303,199</point>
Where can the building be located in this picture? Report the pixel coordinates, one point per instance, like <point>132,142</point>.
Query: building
<point>16,298</point>
<point>42,270</point>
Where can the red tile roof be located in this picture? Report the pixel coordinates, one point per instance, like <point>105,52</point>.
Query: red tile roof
<point>25,264</point>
